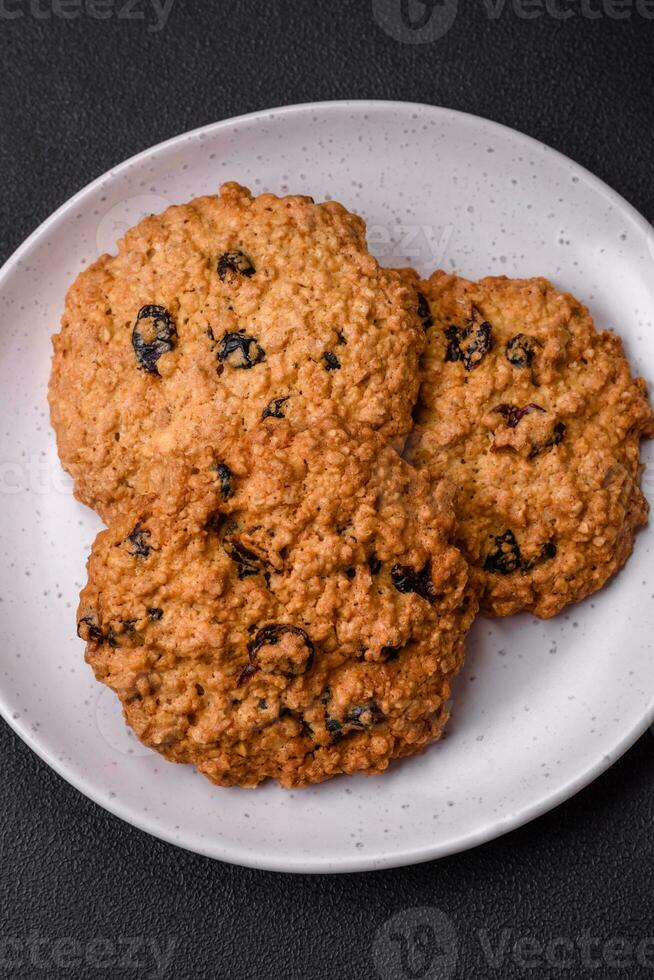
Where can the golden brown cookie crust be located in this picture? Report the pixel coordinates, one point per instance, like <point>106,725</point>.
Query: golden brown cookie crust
<point>290,607</point>
<point>226,309</point>
<point>537,418</point>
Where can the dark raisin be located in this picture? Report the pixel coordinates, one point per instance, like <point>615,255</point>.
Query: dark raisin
<point>248,563</point>
<point>453,351</point>
<point>480,342</point>
<point>558,434</point>
<point>225,479</point>
<point>404,578</point>
<point>236,263</point>
<point>506,558</point>
<point>407,579</point>
<point>240,351</point>
<point>271,635</point>
<point>326,696</point>
<point>374,565</point>
<point>424,311</point>
<point>340,339</point>
<point>350,572</point>
<point>262,704</point>
<point>153,335</point>
<point>513,414</point>
<point>89,631</point>
<point>332,363</point>
<point>248,671</point>
<point>365,715</point>
<point>128,625</point>
<point>155,614</point>
<point>137,541</point>
<point>112,638</point>
<point>273,409</point>
<point>200,690</point>
<point>425,587</point>
<point>214,523</point>
<point>478,347</point>
<point>332,725</point>
<point>521,350</point>
<point>547,551</point>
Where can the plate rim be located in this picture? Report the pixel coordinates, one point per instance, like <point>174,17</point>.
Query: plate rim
<point>235,853</point>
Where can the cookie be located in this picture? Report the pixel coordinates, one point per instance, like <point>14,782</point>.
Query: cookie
<point>229,308</point>
<point>537,418</point>
<point>287,608</point>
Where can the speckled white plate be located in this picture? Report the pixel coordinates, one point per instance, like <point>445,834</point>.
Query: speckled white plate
<point>542,708</point>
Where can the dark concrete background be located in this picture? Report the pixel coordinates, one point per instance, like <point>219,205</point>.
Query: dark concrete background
<point>79,95</point>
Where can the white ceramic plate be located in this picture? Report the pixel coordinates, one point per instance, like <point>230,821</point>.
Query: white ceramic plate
<point>542,708</point>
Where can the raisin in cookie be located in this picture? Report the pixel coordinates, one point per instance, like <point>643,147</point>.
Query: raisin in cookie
<point>229,307</point>
<point>537,418</point>
<point>288,608</point>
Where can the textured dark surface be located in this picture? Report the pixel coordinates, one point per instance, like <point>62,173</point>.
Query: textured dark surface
<point>80,95</point>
